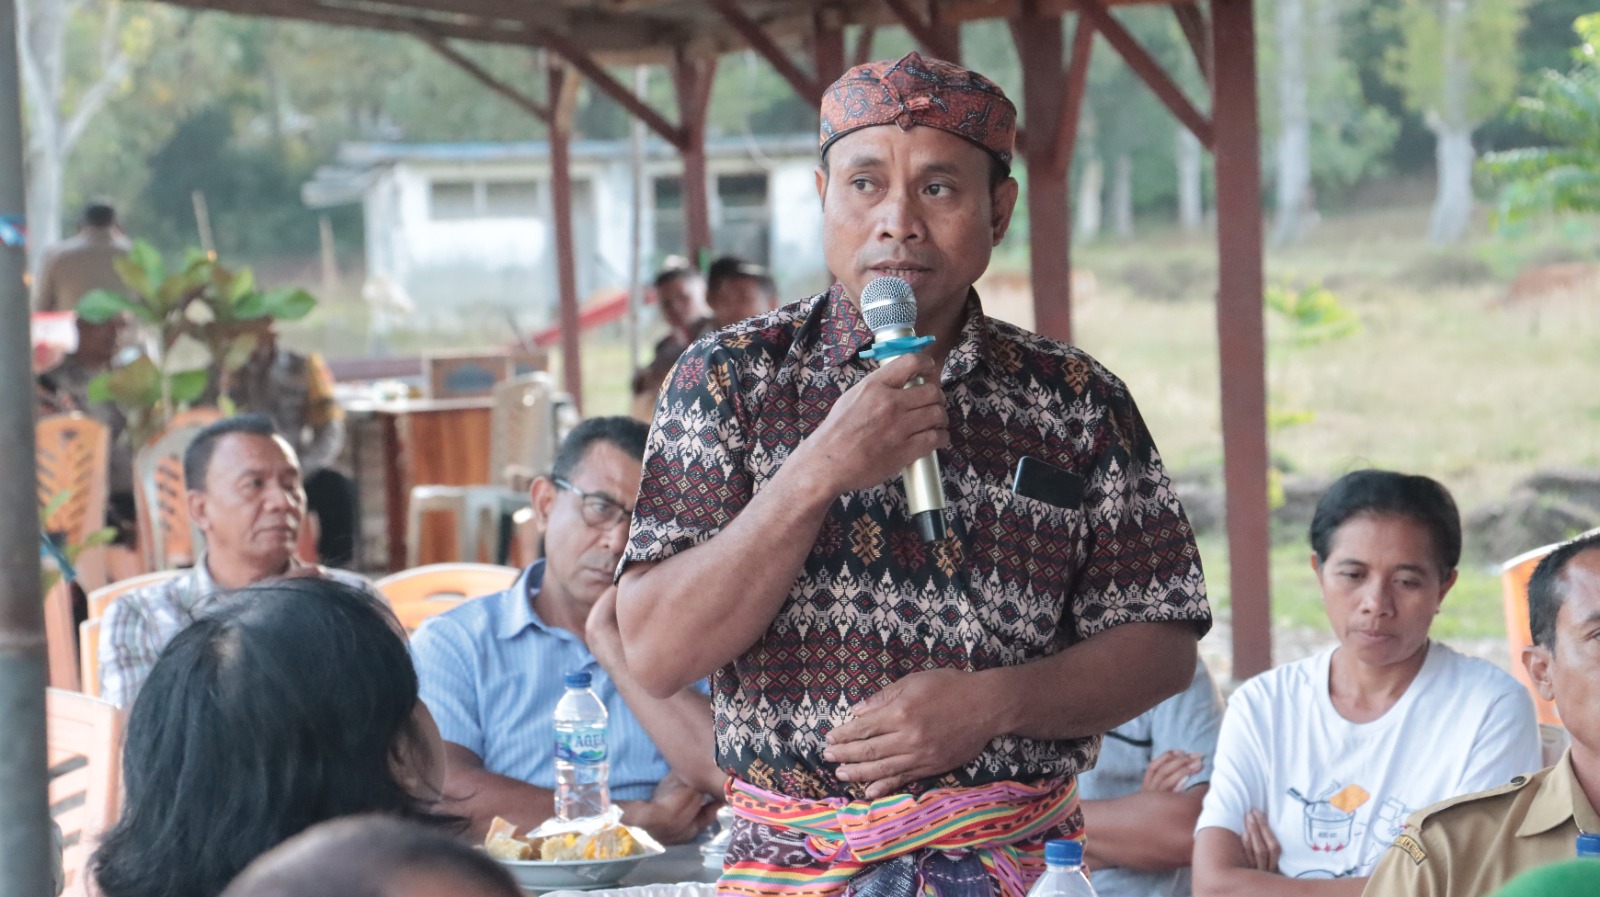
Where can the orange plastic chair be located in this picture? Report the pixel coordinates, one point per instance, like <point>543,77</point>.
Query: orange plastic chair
<point>166,536</point>
<point>101,598</point>
<point>421,592</point>
<point>89,656</point>
<point>84,737</point>
<point>72,456</point>
<point>1514,576</point>
<point>61,638</point>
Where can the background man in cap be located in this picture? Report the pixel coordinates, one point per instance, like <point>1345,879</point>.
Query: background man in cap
<point>1474,844</point>
<point>934,700</point>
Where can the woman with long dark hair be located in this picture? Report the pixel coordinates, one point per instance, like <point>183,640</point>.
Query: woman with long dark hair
<point>293,703</point>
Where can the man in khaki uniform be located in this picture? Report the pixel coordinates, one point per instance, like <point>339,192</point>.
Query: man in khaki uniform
<point>83,262</point>
<point>1472,845</point>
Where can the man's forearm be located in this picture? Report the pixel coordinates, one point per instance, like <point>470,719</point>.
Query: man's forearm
<point>1151,831</point>
<point>1087,689</point>
<point>687,616</point>
<point>479,795</point>
<point>1233,882</point>
<point>681,728</point>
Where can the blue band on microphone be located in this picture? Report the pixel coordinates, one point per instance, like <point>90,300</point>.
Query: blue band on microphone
<point>901,345</point>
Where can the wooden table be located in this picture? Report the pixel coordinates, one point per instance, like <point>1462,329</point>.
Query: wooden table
<point>394,445</point>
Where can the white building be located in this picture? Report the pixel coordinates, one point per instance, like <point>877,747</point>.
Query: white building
<point>463,228</point>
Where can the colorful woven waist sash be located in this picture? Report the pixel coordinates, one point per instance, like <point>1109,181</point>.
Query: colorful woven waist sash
<point>790,847</point>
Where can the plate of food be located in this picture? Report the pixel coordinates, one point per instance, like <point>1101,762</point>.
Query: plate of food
<point>577,856</point>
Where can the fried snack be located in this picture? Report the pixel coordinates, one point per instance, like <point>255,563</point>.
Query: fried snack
<point>502,842</point>
<point>606,843</point>
<point>1350,799</point>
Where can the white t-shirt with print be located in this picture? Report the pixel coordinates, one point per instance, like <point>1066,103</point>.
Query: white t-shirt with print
<point>1337,792</point>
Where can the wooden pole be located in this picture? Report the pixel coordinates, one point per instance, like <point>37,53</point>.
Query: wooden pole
<point>1241,335</point>
<point>691,79</point>
<point>1040,45</point>
<point>561,103</point>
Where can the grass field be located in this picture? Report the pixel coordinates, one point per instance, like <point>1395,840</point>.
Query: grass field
<point>1440,379</point>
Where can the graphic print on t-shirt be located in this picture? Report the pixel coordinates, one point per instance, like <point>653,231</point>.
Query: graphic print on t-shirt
<point>1330,828</point>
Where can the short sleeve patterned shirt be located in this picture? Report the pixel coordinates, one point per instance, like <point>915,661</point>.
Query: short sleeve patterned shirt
<point>1018,581</point>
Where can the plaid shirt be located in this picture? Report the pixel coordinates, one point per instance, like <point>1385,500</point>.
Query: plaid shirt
<point>139,624</point>
<point>1019,581</point>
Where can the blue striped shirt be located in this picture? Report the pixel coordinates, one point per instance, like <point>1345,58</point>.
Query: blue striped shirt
<point>491,673</point>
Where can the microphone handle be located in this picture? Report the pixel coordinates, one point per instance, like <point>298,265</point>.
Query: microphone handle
<point>925,493</point>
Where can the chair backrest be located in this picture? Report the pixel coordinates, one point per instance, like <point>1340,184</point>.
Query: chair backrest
<point>84,737</point>
<point>1514,576</point>
<point>522,429</point>
<point>166,535</point>
<point>61,637</point>
<point>89,656</point>
<point>72,454</point>
<point>433,581</point>
<point>101,598</point>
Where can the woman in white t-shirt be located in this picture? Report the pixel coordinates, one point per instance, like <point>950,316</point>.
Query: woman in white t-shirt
<point>1319,762</point>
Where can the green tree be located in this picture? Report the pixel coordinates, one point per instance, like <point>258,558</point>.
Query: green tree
<point>1564,175</point>
<point>1457,67</point>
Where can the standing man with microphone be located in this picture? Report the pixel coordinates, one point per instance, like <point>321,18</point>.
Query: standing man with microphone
<point>900,715</point>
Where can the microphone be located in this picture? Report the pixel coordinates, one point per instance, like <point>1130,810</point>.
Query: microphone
<point>890,309</point>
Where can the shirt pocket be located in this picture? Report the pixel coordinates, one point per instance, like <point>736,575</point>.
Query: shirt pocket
<point>1025,555</point>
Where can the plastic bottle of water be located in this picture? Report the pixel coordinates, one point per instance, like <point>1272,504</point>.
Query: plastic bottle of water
<point>1589,845</point>
<point>1063,875</point>
<point>581,755</point>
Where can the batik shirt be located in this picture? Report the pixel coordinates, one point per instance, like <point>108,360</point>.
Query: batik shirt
<point>1019,580</point>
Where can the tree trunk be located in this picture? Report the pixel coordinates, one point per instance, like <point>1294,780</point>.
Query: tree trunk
<point>1091,187</point>
<point>1452,127</point>
<point>1122,196</point>
<point>1452,205</point>
<point>1294,137</point>
<point>1191,185</point>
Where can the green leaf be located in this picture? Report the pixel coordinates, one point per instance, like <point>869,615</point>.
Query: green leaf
<point>99,389</point>
<point>100,306</point>
<point>289,303</point>
<point>239,351</point>
<point>134,276</point>
<point>147,260</point>
<point>251,307</point>
<point>239,285</point>
<point>54,504</point>
<point>227,406</point>
<point>136,384</point>
<point>189,385</point>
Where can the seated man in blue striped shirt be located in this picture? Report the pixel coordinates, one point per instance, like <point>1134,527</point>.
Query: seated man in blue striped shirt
<point>491,670</point>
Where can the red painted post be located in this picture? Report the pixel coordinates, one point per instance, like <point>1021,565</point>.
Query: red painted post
<point>561,201</point>
<point>1039,46</point>
<point>827,49</point>
<point>1241,332</point>
<point>692,80</point>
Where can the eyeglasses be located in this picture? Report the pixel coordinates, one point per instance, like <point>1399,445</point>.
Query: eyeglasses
<point>598,510</point>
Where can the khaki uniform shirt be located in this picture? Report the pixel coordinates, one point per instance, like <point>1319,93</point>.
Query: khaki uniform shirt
<point>77,265</point>
<point>1471,845</point>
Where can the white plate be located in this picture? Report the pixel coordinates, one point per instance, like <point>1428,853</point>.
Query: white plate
<point>539,875</point>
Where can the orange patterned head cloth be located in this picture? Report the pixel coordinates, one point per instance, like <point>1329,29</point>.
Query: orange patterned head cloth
<point>915,91</point>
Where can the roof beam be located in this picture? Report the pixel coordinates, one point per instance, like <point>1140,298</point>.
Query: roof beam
<point>1198,32</point>
<point>611,87</point>
<point>1066,141</point>
<point>925,33</point>
<point>804,84</point>
<point>517,97</point>
<point>1147,68</point>
<point>356,19</point>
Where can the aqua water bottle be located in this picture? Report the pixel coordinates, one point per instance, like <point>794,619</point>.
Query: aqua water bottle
<point>1589,845</point>
<point>1063,875</point>
<point>581,751</point>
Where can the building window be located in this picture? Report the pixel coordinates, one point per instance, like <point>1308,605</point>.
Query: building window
<point>512,199</point>
<point>744,229</point>
<point>452,200</point>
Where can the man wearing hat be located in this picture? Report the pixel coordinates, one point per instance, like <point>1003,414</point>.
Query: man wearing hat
<point>898,714</point>
<point>1472,845</point>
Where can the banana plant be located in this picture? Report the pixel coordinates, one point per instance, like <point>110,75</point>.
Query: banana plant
<point>200,323</point>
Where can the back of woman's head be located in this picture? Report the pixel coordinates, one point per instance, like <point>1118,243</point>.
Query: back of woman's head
<point>286,706</point>
<point>1384,493</point>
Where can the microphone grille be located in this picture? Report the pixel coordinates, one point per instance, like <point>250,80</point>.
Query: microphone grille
<point>888,302</point>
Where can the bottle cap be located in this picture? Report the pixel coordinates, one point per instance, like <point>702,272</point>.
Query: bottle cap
<point>578,679</point>
<point>1589,845</point>
<point>1063,853</point>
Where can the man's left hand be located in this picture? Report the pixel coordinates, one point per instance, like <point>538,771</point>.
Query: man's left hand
<point>923,725</point>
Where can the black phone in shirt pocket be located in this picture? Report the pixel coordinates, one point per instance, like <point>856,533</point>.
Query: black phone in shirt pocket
<point>1048,483</point>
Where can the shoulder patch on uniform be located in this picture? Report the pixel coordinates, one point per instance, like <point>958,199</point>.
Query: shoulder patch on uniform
<point>1422,816</point>
<point>1412,847</point>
